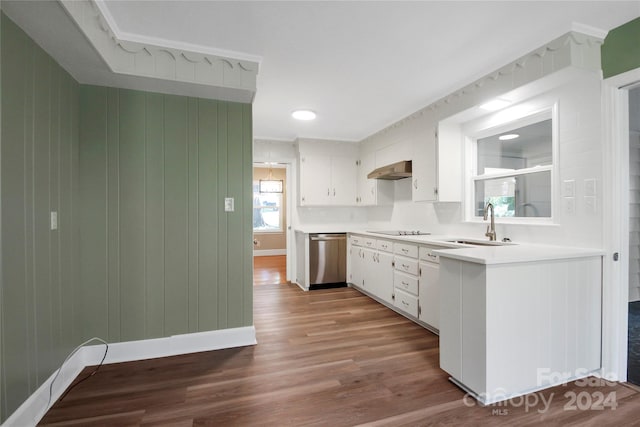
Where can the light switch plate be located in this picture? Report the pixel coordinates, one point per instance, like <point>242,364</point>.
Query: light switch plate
<point>54,220</point>
<point>568,188</point>
<point>590,206</point>
<point>590,187</point>
<point>569,205</point>
<point>228,204</point>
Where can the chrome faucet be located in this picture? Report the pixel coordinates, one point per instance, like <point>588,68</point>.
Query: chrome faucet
<point>491,229</point>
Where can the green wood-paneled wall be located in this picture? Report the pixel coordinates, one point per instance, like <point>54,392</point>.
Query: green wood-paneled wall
<point>39,174</point>
<point>144,248</point>
<point>621,49</point>
<point>159,255</point>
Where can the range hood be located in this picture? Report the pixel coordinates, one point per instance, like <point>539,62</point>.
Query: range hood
<point>397,170</point>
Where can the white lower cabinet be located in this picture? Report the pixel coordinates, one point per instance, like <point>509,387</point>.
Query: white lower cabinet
<point>356,270</point>
<point>429,284</point>
<point>371,266</point>
<point>401,275</point>
<point>507,329</point>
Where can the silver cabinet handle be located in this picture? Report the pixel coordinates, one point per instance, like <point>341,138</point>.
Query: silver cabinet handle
<point>415,183</point>
<point>328,192</point>
<point>334,191</point>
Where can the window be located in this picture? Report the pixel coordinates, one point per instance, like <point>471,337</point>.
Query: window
<point>512,170</point>
<point>266,210</point>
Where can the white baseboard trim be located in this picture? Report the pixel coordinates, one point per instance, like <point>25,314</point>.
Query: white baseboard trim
<point>269,252</point>
<point>33,409</point>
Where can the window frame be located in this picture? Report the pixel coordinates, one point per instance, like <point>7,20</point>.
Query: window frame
<point>281,228</point>
<point>502,122</point>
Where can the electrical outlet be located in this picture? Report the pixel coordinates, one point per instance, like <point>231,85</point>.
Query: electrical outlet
<point>590,187</point>
<point>54,220</point>
<point>569,205</point>
<point>568,188</point>
<point>228,204</point>
<point>590,206</point>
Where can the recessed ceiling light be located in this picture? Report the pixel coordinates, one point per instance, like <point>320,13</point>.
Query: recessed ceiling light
<point>494,104</point>
<point>508,136</point>
<point>303,115</point>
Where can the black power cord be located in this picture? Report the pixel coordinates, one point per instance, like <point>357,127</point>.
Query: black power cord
<point>106,350</point>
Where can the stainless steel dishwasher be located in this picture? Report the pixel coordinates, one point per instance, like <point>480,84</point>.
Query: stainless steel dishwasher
<point>327,260</point>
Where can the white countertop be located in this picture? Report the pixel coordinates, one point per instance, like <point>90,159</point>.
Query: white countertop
<point>514,252</point>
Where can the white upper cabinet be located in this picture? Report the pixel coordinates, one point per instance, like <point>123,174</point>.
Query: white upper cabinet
<point>437,165</point>
<point>327,180</point>
<point>372,192</point>
<point>424,182</point>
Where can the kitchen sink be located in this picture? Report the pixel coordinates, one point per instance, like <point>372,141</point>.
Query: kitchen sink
<point>478,242</point>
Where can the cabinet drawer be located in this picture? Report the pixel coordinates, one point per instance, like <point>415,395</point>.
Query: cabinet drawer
<point>406,265</point>
<point>385,245</point>
<point>403,249</point>
<point>405,282</point>
<point>368,242</point>
<point>426,254</point>
<point>357,240</point>
<point>406,302</point>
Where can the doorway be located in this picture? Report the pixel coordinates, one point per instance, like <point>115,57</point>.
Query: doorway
<point>270,223</point>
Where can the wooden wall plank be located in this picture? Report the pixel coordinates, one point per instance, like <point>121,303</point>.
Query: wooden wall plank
<point>112,196</point>
<point>93,221</point>
<point>42,294</point>
<point>176,215</point>
<point>15,369</point>
<point>235,222</point>
<point>132,214</point>
<point>209,210</point>
<point>247,212</point>
<point>223,225</point>
<point>193,231</point>
<point>154,233</point>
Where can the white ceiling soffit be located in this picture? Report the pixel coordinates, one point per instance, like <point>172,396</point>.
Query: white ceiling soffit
<point>122,56</point>
<point>361,65</point>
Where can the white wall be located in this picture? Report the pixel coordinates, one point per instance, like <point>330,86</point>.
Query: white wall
<point>579,158</point>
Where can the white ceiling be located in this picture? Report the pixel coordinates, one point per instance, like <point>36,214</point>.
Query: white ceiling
<point>360,65</point>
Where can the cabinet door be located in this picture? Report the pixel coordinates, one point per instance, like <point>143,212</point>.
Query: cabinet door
<point>384,277</point>
<point>366,186</point>
<point>355,266</point>
<point>369,265</point>
<point>424,180</point>
<point>315,180</point>
<point>343,181</point>
<point>429,294</point>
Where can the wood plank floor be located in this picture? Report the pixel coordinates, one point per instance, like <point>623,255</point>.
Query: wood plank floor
<point>269,270</point>
<point>325,358</point>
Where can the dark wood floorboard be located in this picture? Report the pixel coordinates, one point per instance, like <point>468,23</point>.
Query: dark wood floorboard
<point>269,270</point>
<point>324,358</point>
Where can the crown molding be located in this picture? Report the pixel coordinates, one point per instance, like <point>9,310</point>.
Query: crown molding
<point>573,49</point>
<point>161,59</point>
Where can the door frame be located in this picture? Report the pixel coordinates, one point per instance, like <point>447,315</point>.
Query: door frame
<point>289,190</point>
<point>615,295</point>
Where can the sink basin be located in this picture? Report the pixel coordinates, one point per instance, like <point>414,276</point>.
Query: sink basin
<point>478,242</point>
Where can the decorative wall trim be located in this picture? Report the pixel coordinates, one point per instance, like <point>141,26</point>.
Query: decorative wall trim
<point>33,409</point>
<point>269,252</point>
<point>572,49</point>
<point>157,61</point>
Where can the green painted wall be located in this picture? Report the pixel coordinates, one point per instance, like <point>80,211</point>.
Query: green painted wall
<point>621,49</point>
<point>159,256</point>
<point>144,248</point>
<point>39,174</point>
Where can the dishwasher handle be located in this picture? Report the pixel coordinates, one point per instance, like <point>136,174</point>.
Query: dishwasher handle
<point>325,237</point>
